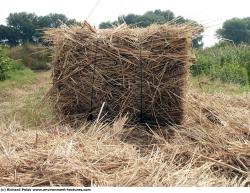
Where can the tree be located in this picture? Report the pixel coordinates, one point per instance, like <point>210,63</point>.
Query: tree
<point>105,25</point>
<point>55,20</point>
<point>27,27</point>
<point>131,19</point>
<point>197,42</point>
<point>52,20</point>
<point>9,34</point>
<point>156,16</point>
<point>24,24</point>
<point>235,29</point>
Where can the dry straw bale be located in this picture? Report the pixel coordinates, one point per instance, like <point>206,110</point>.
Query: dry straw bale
<point>140,71</point>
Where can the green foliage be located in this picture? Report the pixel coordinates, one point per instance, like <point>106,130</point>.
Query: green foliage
<point>9,34</point>
<point>22,95</point>
<point>18,78</point>
<point>32,112</point>
<point>8,65</point>
<point>24,24</point>
<point>33,56</point>
<point>151,17</point>
<point>105,25</point>
<point>54,20</point>
<point>224,62</point>
<point>27,27</point>
<point>144,20</point>
<point>237,30</point>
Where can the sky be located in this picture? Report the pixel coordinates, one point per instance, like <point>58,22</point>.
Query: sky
<point>210,13</point>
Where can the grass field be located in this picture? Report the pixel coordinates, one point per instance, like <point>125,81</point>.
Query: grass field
<point>211,148</point>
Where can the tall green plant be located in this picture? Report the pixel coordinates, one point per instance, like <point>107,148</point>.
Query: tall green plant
<point>225,62</point>
<point>34,56</point>
<point>7,65</point>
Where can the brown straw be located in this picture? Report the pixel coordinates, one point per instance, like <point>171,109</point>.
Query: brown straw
<point>142,72</point>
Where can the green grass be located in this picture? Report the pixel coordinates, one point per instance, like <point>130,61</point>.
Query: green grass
<point>205,84</point>
<point>21,99</point>
<point>5,50</point>
<point>33,112</point>
<point>18,78</point>
<point>29,111</point>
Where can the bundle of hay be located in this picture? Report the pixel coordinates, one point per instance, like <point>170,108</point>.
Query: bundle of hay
<point>142,72</point>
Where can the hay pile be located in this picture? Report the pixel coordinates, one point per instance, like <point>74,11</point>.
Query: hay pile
<point>140,71</point>
<point>202,153</point>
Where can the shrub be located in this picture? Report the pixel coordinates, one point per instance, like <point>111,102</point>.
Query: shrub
<point>7,65</point>
<point>35,57</point>
<point>232,73</point>
<point>225,62</point>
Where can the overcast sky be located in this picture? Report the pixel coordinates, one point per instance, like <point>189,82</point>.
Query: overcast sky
<point>210,13</point>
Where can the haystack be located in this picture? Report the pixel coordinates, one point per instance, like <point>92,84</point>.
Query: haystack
<point>142,72</point>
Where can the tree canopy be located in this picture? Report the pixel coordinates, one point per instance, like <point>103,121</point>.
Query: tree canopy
<point>9,34</point>
<point>150,17</point>
<point>235,29</point>
<point>144,20</point>
<point>26,27</point>
<point>24,24</point>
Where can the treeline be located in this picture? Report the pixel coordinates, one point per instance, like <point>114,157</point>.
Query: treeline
<point>144,20</point>
<point>236,30</point>
<point>26,27</point>
<point>157,16</point>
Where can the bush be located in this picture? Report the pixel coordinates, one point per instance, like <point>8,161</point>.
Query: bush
<point>232,73</point>
<point>35,57</point>
<point>8,65</point>
<point>224,62</point>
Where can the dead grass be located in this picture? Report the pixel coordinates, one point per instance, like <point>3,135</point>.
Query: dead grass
<point>210,149</point>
